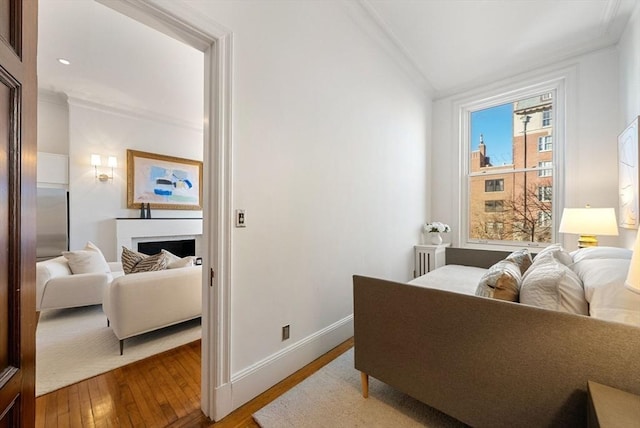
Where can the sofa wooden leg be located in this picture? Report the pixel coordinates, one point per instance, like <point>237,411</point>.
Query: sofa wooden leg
<point>121,346</point>
<point>365,384</point>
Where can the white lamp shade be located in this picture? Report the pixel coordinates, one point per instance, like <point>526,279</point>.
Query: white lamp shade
<point>633,277</point>
<point>95,160</point>
<point>589,221</point>
<point>112,162</point>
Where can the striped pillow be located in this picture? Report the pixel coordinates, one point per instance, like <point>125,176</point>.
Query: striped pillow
<point>148,264</point>
<point>130,259</point>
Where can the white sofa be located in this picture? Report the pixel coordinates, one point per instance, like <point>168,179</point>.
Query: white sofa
<point>57,287</point>
<point>141,302</point>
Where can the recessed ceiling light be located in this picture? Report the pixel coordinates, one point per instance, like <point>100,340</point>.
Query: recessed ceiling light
<point>64,61</point>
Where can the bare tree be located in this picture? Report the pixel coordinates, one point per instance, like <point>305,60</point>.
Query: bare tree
<point>524,217</point>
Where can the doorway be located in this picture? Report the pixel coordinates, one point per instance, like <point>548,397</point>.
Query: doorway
<point>215,44</point>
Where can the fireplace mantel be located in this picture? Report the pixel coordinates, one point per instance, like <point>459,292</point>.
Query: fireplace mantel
<point>130,231</point>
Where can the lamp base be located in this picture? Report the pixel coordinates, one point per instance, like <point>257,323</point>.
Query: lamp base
<point>587,241</point>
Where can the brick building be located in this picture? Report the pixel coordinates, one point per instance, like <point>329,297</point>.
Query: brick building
<point>513,201</point>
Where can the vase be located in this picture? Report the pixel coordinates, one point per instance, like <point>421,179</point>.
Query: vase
<point>435,238</point>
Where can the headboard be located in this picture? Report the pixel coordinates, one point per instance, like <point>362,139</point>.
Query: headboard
<point>473,257</point>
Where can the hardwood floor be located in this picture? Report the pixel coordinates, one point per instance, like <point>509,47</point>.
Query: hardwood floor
<point>161,391</point>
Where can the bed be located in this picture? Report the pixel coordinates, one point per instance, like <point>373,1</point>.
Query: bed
<point>489,362</point>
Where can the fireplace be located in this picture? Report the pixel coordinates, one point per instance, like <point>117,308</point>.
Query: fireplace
<point>181,248</point>
<point>132,231</point>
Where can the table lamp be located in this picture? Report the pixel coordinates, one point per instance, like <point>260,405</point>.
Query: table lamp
<point>633,277</point>
<point>589,222</point>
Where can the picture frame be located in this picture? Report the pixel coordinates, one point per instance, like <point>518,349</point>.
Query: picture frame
<point>629,176</point>
<point>164,182</point>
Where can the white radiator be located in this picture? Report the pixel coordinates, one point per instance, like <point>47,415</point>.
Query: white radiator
<point>428,258</point>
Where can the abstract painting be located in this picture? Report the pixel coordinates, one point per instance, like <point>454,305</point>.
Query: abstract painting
<point>628,176</point>
<point>165,182</point>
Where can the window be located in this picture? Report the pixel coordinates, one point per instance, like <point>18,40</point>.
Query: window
<point>496,185</point>
<point>544,219</point>
<point>500,136</point>
<point>545,169</point>
<point>493,206</point>
<point>544,193</point>
<point>545,143</point>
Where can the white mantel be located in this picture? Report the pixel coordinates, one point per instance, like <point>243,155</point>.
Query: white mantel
<point>130,231</point>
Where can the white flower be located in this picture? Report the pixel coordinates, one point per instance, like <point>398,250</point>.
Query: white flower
<point>436,226</point>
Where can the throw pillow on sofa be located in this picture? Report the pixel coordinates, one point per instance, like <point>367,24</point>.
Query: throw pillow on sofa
<point>175,262</point>
<point>88,260</point>
<point>603,271</point>
<point>130,259</point>
<point>551,285</point>
<point>134,262</point>
<point>557,251</point>
<point>151,263</point>
<point>522,258</point>
<point>501,281</point>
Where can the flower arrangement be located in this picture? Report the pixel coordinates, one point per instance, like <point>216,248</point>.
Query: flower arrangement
<point>437,227</point>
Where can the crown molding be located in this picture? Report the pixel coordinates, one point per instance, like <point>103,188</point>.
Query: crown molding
<point>83,100</point>
<point>371,22</point>
<point>52,97</point>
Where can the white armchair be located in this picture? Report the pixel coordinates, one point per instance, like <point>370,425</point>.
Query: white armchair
<point>57,287</point>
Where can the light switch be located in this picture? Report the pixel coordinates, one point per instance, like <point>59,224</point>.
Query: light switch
<point>240,219</point>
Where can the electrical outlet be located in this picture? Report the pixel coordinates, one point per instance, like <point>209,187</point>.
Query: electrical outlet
<point>285,332</point>
<point>240,219</point>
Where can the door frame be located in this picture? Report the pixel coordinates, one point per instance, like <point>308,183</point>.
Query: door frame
<point>182,23</point>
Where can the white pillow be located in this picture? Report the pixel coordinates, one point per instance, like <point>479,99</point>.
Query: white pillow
<point>604,289</point>
<point>601,253</point>
<point>558,252</point>
<point>550,284</point>
<point>89,260</point>
<point>175,262</point>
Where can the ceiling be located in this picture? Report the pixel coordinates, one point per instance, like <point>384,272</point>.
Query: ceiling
<point>457,44</point>
<point>117,61</point>
<point>453,44</point>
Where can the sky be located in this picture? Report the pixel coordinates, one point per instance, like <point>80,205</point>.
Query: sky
<point>496,125</point>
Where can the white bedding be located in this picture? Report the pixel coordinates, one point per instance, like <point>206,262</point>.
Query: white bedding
<point>455,278</point>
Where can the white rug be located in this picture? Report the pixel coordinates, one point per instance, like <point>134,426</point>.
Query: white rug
<point>76,344</point>
<point>332,397</point>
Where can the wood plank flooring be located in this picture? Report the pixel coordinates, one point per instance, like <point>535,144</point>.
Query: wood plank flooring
<point>160,391</point>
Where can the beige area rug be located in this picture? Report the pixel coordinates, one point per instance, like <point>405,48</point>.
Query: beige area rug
<point>332,398</point>
<point>76,344</point>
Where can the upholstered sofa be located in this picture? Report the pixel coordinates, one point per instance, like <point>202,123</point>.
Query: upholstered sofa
<point>484,361</point>
<point>137,303</point>
<point>57,287</point>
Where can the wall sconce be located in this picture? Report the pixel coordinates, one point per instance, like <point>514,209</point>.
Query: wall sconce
<point>589,222</point>
<point>96,161</point>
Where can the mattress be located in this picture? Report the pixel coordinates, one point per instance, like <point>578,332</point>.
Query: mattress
<point>455,278</point>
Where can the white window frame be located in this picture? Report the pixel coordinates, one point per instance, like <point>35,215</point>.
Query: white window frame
<point>556,84</point>
<point>545,169</point>
<point>545,143</point>
<point>548,119</point>
<point>543,191</point>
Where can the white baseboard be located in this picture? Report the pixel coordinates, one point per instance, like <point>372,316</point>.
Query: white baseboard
<point>256,379</point>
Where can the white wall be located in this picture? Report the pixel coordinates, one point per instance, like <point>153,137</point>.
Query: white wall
<point>629,48</point>
<point>331,142</point>
<point>591,137</point>
<point>94,205</point>
<point>53,123</point>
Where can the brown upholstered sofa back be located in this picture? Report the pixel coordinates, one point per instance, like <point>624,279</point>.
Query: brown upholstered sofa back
<point>486,362</point>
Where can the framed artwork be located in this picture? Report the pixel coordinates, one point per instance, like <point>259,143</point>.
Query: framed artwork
<point>628,176</point>
<point>165,182</point>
